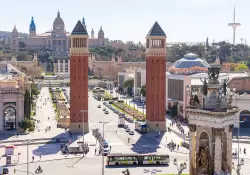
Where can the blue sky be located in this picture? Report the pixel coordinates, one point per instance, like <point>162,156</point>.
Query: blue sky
<point>182,20</point>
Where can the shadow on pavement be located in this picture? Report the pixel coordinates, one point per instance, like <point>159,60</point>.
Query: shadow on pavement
<point>147,143</point>
<point>8,134</point>
<point>47,149</point>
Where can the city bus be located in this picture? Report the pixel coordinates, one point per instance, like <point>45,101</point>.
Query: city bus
<point>141,127</point>
<point>137,159</point>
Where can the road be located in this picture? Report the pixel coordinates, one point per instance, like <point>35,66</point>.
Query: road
<point>91,164</point>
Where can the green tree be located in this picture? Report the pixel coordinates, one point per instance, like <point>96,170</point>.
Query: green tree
<point>143,90</point>
<point>21,56</point>
<point>26,123</point>
<point>129,84</point>
<point>34,90</point>
<point>27,104</point>
<point>241,66</point>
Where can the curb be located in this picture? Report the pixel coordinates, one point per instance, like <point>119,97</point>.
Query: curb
<point>37,143</point>
<point>23,140</point>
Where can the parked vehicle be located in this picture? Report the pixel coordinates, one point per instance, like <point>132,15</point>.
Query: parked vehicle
<point>131,132</point>
<point>121,122</point>
<point>99,106</point>
<point>106,112</point>
<point>128,130</point>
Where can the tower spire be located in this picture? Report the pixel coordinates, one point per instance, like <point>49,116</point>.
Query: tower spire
<point>234,15</point>
<point>234,25</point>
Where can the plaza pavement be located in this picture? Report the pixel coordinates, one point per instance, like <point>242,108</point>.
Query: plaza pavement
<point>51,154</point>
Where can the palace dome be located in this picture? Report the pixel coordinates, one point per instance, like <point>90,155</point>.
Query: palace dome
<point>189,64</point>
<point>58,21</point>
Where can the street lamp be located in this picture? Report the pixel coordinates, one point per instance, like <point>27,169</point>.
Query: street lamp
<point>103,124</point>
<point>83,111</point>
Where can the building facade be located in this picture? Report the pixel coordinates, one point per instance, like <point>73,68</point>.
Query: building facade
<point>56,39</point>
<point>13,84</point>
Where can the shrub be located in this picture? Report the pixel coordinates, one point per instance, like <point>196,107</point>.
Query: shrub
<point>32,128</point>
<point>26,123</point>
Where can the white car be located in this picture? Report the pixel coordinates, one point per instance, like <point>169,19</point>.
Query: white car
<point>128,130</point>
<point>131,132</point>
<point>105,151</point>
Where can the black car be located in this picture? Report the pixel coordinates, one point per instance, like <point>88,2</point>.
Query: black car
<point>5,170</point>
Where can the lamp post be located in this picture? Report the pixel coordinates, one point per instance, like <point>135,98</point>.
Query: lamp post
<point>83,111</point>
<point>27,146</point>
<point>103,124</point>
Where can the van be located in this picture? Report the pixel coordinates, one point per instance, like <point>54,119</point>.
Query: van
<point>105,144</point>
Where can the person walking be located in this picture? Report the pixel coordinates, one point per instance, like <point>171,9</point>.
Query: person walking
<point>95,151</point>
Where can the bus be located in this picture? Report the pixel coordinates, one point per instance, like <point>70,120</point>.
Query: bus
<point>137,159</point>
<point>141,127</point>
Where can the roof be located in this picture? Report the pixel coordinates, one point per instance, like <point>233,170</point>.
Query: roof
<point>190,60</point>
<point>156,30</point>
<point>79,29</point>
<point>58,21</point>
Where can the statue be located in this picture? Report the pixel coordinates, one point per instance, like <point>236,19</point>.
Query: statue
<point>213,74</point>
<point>204,86</point>
<point>225,86</point>
<point>203,161</point>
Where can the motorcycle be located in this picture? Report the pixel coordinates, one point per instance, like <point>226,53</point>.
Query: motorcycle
<point>39,170</point>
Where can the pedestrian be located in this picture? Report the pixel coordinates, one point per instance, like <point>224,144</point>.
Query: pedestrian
<point>33,158</point>
<point>40,157</point>
<point>178,147</point>
<point>240,150</point>
<point>95,151</point>
<point>17,135</point>
<point>110,148</point>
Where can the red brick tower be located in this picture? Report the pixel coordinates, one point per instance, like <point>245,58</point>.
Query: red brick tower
<point>156,78</point>
<point>79,79</point>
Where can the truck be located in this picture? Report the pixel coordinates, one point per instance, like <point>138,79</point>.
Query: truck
<point>76,149</point>
<point>141,127</point>
<point>121,122</point>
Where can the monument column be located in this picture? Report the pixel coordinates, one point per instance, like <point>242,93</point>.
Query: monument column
<point>192,149</point>
<point>59,66</point>
<point>79,79</point>
<point>156,79</point>
<point>218,151</point>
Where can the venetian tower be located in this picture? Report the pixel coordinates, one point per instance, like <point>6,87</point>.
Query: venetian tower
<point>210,126</point>
<point>79,53</point>
<point>156,78</point>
